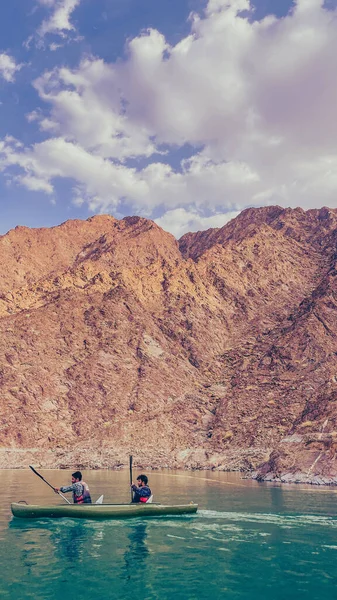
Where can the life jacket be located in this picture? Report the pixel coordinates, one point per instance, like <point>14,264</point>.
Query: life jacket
<point>85,497</point>
<point>143,490</point>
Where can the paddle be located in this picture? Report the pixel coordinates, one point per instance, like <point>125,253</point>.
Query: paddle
<point>43,479</point>
<point>130,460</point>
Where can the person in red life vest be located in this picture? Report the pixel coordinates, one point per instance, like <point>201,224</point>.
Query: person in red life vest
<point>141,491</point>
<point>80,490</point>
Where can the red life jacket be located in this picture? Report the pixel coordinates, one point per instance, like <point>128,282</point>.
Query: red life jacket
<point>85,497</point>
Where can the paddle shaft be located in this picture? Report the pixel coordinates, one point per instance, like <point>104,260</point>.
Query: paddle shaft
<point>131,478</point>
<point>52,487</point>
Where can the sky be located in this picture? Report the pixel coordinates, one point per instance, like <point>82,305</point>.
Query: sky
<point>181,111</point>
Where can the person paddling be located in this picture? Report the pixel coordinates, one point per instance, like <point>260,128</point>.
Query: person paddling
<point>141,491</point>
<point>80,489</point>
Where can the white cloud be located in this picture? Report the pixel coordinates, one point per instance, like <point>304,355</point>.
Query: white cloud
<point>86,105</point>
<point>179,221</point>
<point>53,47</point>
<point>234,6</point>
<point>257,101</point>
<point>35,184</point>
<point>59,21</point>
<point>8,67</point>
<point>103,183</point>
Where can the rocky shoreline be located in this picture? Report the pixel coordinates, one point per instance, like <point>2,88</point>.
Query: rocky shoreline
<point>297,477</point>
<point>15,458</point>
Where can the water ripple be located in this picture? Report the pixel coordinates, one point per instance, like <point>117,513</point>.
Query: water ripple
<point>272,518</point>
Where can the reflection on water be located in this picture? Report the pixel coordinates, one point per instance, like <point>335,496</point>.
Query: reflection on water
<point>71,542</point>
<point>248,541</point>
<point>276,498</point>
<point>136,554</point>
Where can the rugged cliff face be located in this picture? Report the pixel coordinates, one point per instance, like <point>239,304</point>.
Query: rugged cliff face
<point>217,351</point>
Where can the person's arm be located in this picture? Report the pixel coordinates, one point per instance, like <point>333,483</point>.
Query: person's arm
<point>74,487</point>
<point>68,488</point>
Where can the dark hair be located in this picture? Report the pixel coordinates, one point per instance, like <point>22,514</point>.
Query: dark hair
<point>77,475</point>
<point>143,478</point>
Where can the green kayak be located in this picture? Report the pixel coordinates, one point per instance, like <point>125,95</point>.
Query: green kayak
<point>99,511</point>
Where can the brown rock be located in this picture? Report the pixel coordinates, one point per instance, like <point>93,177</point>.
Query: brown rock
<point>215,352</point>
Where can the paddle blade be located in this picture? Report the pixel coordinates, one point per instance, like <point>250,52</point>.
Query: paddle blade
<point>36,473</point>
<point>99,500</point>
<point>47,482</point>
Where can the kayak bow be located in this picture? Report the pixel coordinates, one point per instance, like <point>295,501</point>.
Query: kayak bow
<point>99,511</point>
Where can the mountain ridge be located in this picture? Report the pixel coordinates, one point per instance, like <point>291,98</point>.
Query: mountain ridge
<point>216,347</point>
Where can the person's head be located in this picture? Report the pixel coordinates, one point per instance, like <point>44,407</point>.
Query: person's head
<point>142,480</point>
<point>77,476</point>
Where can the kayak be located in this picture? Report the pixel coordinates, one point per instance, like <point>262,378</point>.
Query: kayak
<point>99,511</point>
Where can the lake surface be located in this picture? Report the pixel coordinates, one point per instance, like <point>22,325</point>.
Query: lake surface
<point>248,540</point>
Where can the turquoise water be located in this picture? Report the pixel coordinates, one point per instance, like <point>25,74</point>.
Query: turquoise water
<point>248,540</point>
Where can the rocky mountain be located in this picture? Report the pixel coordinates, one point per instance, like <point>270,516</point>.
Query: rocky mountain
<point>218,351</point>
